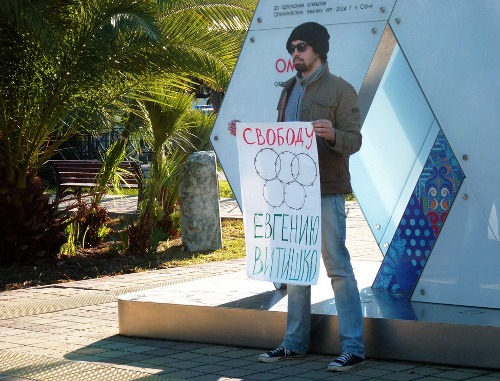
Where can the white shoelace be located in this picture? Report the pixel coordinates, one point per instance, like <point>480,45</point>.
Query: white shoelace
<point>277,350</point>
<point>344,358</point>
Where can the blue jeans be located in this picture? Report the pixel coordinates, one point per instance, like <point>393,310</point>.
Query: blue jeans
<point>345,288</point>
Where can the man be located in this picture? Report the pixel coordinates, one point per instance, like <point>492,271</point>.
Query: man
<point>331,104</point>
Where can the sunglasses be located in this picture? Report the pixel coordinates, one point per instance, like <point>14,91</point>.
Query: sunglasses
<point>300,47</point>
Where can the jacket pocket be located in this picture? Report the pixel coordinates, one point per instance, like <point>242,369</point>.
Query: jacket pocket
<point>324,108</point>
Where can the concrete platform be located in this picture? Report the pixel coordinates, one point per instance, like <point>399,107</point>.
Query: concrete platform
<point>234,310</point>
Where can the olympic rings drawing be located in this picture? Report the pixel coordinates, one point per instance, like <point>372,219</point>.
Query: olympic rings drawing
<point>287,177</point>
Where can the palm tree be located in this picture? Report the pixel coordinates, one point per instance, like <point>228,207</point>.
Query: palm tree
<point>203,39</point>
<point>61,63</point>
<point>64,63</point>
<point>173,130</point>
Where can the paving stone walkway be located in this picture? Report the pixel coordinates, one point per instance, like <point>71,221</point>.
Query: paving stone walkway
<point>69,331</point>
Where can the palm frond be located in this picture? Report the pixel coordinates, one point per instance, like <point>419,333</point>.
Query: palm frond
<point>70,69</point>
<point>205,36</point>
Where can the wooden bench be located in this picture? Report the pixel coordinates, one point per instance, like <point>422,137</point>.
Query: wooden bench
<point>78,174</point>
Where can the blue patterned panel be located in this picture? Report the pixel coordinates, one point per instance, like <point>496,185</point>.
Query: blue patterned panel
<point>439,183</point>
<point>422,220</point>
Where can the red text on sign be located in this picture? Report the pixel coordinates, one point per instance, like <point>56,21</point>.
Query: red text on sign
<point>302,137</point>
<point>282,66</point>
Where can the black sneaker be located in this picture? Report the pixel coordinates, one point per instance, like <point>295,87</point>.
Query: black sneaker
<point>278,354</point>
<point>345,361</point>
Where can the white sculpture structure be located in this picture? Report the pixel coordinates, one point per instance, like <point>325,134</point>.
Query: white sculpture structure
<point>427,178</point>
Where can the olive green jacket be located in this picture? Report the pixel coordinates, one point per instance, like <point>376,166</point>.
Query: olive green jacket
<point>330,97</point>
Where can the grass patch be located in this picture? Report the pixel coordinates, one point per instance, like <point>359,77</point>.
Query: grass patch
<point>350,197</point>
<point>106,260</point>
<point>233,248</point>
<point>225,190</point>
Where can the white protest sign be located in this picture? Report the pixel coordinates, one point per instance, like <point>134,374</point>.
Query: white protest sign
<point>281,201</point>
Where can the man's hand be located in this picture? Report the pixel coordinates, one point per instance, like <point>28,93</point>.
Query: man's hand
<point>324,128</point>
<point>232,127</point>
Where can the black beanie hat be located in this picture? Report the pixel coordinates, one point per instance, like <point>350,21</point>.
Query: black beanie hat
<point>315,35</point>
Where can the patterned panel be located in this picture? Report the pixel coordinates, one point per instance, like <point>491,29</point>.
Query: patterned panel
<point>422,220</point>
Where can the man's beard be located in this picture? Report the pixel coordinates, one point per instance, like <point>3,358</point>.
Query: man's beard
<point>300,67</point>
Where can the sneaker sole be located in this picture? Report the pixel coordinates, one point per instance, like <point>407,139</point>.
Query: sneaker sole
<point>276,359</point>
<point>344,368</point>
